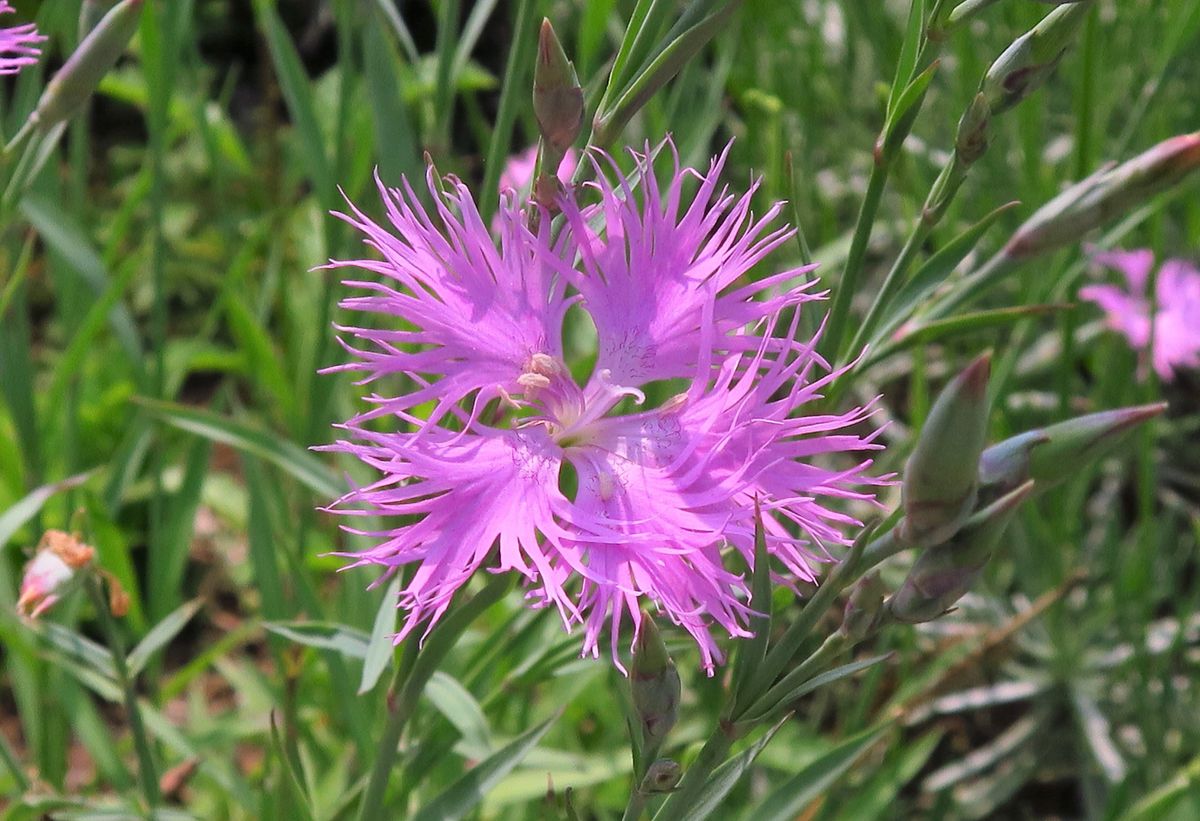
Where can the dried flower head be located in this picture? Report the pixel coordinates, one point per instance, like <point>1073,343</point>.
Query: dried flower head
<point>53,567</point>
<point>1170,323</point>
<point>601,500</point>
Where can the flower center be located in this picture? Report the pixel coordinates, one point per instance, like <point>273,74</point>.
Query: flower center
<point>566,410</point>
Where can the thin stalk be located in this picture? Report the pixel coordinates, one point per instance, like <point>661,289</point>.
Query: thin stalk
<point>444,104</point>
<point>711,756</point>
<point>862,558</point>
<point>400,703</point>
<point>839,312</point>
<point>520,60</point>
<point>638,798</point>
<point>147,769</point>
<point>412,673</point>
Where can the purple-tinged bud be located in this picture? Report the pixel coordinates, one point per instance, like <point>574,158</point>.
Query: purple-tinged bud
<point>654,682</point>
<point>973,8</point>
<point>1054,454</point>
<point>1032,57</point>
<point>557,95</point>
<point>971,141</point>
<point>661,777</point>
<point>70,87</point>
<point>51,572</point>
<point>941,474</point>
<point>1109,193</point>
<point>864,608</point>
<point>91,13</point>
<point>944,573</point>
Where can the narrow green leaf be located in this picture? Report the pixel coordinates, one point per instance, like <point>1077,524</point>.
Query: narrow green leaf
<point>77,648</point>
<point>939,329</point>
<point>340,638</point>
<point>726,777</point>
<point>939,266</point>
<point>460,708</point>
<point>752,651</point>
<point>168,560</point>
<point>297,92</point>
<point>380,649</point>
<point>69,239</point>
<point>778,700</point>
<point>914,30</point>
<point>394,134</point>
<point>301,464</point>
<point>17,516</point>
<point>788,800</point>
<point>161,635</point>
<point>295,791</point>
<point>461,797</point>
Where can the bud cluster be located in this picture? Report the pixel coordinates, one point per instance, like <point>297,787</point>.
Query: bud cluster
<point>959,497</point>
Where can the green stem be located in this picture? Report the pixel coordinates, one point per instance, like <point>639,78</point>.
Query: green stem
<point>638,798</point>
<point>147,769</point>
<point>862,558</point>
<point>400,702</point>
<point>847,287</point>
<point>520,60</point>
<point>711,756</point>
<point>412,673</point>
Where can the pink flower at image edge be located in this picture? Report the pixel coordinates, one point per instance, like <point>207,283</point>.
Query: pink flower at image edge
<point>518,170</point>
<point>18,44</point>
<point>1169,324</point>
<point>659,492</point>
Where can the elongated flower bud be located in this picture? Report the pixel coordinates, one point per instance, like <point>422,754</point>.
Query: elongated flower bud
<point>1031,58</point>
<point>1105,195</point>
<point>864,608</point>
<point>87,65</point>
<point>942,574</point>
<point>654,682</point>
<point>971,141</point>
<point>557,95</point>
<point>1053,454</point>
<point>941,475</point>
<point>969,9</point>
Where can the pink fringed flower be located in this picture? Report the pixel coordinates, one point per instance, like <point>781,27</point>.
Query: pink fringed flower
<point>1171,324</point>
<point>518,171</point>
<point>18,44</point>
<point>600,501</point>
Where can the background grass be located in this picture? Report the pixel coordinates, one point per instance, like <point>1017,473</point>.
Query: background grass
<point>163,325</point>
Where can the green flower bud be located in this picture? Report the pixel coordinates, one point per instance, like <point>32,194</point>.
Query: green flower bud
<point>971,141</point>
<point>662,776</point>
<point>77,79</point>
<point>557,96</point>
<point>1031,58</point>
<point>1107,194</point>
<point>864,608</point>
<point>1053,454</point>
<point>943,574</point>
<point>654,682</point>
<point>940,476</point>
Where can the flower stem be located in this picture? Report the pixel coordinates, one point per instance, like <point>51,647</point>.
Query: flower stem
<point>711,756</point>
<point>147,769</point>
<point>413,671</point>
<point>400,703</point>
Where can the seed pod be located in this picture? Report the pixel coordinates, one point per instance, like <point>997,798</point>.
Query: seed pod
<point>654,682</point>
<point>943,574</point>
<point>941,475</point>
